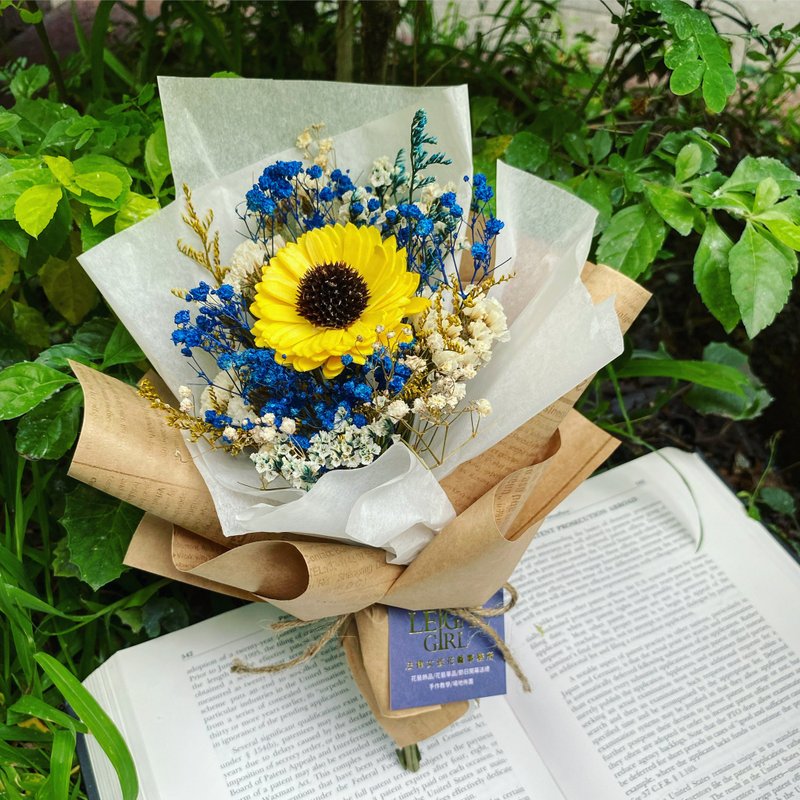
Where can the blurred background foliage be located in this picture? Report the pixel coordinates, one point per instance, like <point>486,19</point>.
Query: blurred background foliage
<point>690,160</point>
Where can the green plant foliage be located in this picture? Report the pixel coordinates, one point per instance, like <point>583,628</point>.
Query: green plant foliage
<point>49,430</point>
<point>750,404</point>
<point>99,529</point>
<point>23,386</point>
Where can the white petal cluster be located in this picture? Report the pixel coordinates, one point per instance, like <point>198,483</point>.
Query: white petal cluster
<point>383,172</point>
<point>345,446</point>
<point>458,342</point>
<point>246,263</point>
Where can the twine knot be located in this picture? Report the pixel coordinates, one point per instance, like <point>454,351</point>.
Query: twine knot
<point>473,616</point>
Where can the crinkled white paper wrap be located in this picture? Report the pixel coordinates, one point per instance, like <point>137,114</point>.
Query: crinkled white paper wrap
<point>558,337</point>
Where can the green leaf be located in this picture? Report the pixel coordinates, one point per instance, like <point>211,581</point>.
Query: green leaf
<point>9,262</point>
<point>687,77</point>
<point>63,171</point>
<point>601,145</point>
<point>712,276</point>
<point>761,277</point>
<point>575,145</point>
<point>688,162</point>
<point>98,722</point>
<point>163,615</point>
<point>103,184</point>
<point>733,406</point>
<point>14,184</point>
<point>632,240</point>
<point>778,500</point>
<point>480,109</point>
<point>121,349</point>
<point>97,215</point>
<point>527,151</point>
<point>135,208</point>
<point>751,171</point>
<point>786,232</point>
<point>680,53</point>
<point>672,207</point>
<point>156,157</point>
<point>36,206</point>
<point>30,706</point>
<point>23,386</point>
<point>30,17</point>
<point>62,754</point>
<point>597,193</point>
<point>68,288</point>
<point>29,325</point>
<point>50,429</point>
<point>93,163</point>
<point>13,238</point>
<point>28,81</point>
<point>12,348</point>
<point>767,194</point>
<point>715,376</point>
<point>99,529</point>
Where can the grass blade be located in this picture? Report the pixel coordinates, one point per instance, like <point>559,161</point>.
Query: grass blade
<point>98,722</point>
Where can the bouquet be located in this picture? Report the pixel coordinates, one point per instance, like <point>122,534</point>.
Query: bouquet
<point>365,370</point>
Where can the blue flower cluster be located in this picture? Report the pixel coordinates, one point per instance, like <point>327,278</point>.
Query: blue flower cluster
<point>221,328</point>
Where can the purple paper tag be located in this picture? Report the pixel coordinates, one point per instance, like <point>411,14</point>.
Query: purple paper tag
<point>435,657</point>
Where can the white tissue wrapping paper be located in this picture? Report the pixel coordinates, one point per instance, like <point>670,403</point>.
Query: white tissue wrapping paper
<point>557,336</point>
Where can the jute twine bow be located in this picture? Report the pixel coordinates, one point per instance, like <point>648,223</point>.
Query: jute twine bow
<point>473,616</point>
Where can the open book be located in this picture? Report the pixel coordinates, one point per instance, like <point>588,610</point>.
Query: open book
<point>659,671</point>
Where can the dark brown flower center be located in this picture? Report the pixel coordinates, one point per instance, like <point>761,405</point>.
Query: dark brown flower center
<point>332,295</point>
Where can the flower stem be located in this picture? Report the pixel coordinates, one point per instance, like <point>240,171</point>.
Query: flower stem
<point>409,757</point>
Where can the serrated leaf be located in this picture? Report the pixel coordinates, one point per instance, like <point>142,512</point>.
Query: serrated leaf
<point>103,184</point>
<point>50,429</point>
<point>672,207</point>
<point>751,171</point>
<point>712,276</point>
<point>713,401</point>
<point>63,171</point>
<point>135,208</point>
<point>687,78</point>
<point>23,386</point>
<point>632,240</point>
<point>36,206</point>
<point>29,325</point>
<point>786,232</point>
<point>761,278</point>
<point>688,162</point>
<point>9,262</point>
<point>156,157</point>
<point>68,288</point>
<point>99,528</point>
<point>767,194</point>
<point>526,151</point>
<point>93,162</point>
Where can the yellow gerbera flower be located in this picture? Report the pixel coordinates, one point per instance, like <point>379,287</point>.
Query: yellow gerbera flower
<point>334,292</point>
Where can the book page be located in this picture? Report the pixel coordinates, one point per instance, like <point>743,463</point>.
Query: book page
<point>660,671</point>
<point>197,730</point>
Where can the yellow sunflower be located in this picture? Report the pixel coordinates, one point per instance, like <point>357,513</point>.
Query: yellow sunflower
<point>334,293</point>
